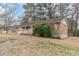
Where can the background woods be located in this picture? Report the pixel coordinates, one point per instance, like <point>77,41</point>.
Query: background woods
<point>44,11</point>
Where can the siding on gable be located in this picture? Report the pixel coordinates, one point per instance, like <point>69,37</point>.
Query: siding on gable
<point>64,22</point>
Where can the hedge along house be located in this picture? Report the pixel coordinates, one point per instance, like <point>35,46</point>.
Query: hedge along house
<point>59,27</point>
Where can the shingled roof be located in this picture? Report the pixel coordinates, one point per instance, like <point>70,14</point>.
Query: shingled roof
<point>45,21</point>
<point>54,20</point>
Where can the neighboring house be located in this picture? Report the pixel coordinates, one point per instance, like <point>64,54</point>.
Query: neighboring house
<point>59,25</point>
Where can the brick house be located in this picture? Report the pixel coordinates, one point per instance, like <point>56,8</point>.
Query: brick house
<point>59,25</point>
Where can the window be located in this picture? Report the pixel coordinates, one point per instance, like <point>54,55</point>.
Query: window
<point>23,27</point>
<point>27,27</point>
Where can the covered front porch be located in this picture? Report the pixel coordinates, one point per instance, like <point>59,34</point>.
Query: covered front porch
<point>24,29</point>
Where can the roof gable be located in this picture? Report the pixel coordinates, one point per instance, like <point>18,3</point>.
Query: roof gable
<point>64,21</point>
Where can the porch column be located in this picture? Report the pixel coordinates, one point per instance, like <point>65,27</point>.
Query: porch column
<point>24,27</point>
<point>31,29</point>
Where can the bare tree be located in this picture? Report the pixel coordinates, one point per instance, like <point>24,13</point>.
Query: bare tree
<point>10,11</point>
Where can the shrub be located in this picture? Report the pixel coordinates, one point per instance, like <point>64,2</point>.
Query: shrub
<point>77,33</point>
<point>42,30</point>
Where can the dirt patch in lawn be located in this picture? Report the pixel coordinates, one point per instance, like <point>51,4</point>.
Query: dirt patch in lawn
<point>31,45</point>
